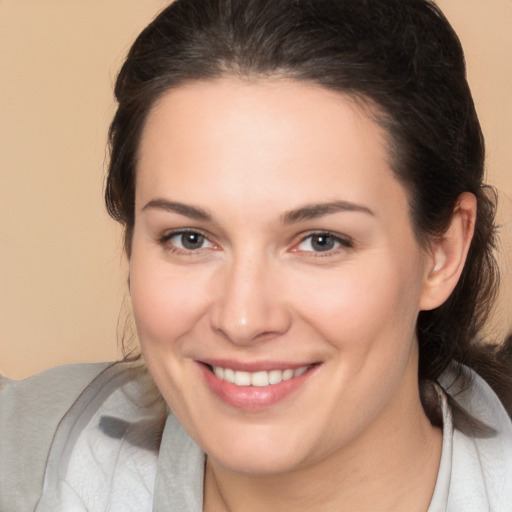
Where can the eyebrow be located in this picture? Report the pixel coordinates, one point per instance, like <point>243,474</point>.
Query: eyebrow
<point>313,211</point>
<point>307,212</point>
<point>193,212</point>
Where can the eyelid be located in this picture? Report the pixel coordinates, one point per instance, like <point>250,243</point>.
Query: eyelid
<point>164,240</point>
<point>343,241</point>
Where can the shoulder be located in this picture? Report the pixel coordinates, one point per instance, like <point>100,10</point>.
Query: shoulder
<point>30,411</point>
<point>481,469</point>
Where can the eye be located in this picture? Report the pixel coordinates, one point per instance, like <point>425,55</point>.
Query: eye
<point>186,241</point>
<point>321,242</point>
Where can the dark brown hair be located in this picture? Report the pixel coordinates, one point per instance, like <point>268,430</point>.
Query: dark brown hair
<point>400,57</point>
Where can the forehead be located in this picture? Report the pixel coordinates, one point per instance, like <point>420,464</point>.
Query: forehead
<point>275,139</point>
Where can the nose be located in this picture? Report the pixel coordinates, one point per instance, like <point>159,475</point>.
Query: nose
<point>250,304</point>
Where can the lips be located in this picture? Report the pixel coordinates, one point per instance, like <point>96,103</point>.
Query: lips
<point>255,387</point>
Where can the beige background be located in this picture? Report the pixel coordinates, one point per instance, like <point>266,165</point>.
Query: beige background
<point>62,276</point>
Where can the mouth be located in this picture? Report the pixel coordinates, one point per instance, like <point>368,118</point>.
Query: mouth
<point>258,389</point>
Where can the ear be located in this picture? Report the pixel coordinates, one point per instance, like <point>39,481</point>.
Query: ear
<point>448,253</point>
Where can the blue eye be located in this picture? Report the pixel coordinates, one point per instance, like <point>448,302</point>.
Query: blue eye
<point>322,242</point>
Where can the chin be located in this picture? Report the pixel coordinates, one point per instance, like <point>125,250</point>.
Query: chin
<point>260,453</point>
<point>259,464</point>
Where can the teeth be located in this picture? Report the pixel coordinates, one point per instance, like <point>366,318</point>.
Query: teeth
<point>242,378</point>
<point>229,375</point>
<point>287,374</point>
<point>259,379</point>
<point>275,376</point>
<point>299,371</point>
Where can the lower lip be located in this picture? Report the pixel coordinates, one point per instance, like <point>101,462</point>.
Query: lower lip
<point>253,398</point>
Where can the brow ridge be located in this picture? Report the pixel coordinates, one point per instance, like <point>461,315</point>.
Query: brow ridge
<point>307,212</point>
<point>313,211</point>
<point>193,212</point>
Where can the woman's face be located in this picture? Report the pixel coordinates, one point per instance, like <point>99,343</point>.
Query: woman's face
<point>275,276</point>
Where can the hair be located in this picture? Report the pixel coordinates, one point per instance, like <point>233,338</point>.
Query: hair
<point>402,59</point>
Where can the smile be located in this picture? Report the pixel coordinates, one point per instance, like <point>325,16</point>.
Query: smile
<point>257,386</point>
<point>259,378</point>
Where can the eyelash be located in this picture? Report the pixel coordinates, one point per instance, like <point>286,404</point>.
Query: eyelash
<point>340,242</point>
<point>165,241</point>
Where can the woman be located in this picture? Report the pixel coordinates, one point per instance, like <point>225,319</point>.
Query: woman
<point>310,245</point>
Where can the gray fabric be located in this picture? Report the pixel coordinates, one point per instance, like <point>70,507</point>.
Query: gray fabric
<point>104,453</point>
<point>439,499</point>
<point>180,475</point>
<point>30,411</point>
<point>115,414</point>
<point>481,472</point>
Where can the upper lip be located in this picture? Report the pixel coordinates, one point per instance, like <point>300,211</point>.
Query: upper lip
<point>254,366</point>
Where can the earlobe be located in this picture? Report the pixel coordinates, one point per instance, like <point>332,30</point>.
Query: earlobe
<point>448,254</point>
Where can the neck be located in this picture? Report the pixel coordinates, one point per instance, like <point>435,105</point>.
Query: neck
<point>391,466</point>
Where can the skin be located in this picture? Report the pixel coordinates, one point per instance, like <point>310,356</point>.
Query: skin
<point>353,435</point>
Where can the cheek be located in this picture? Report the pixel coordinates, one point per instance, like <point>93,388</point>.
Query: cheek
<point>370,300</point>
<point>166,307</point>
<point>166,304</point>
